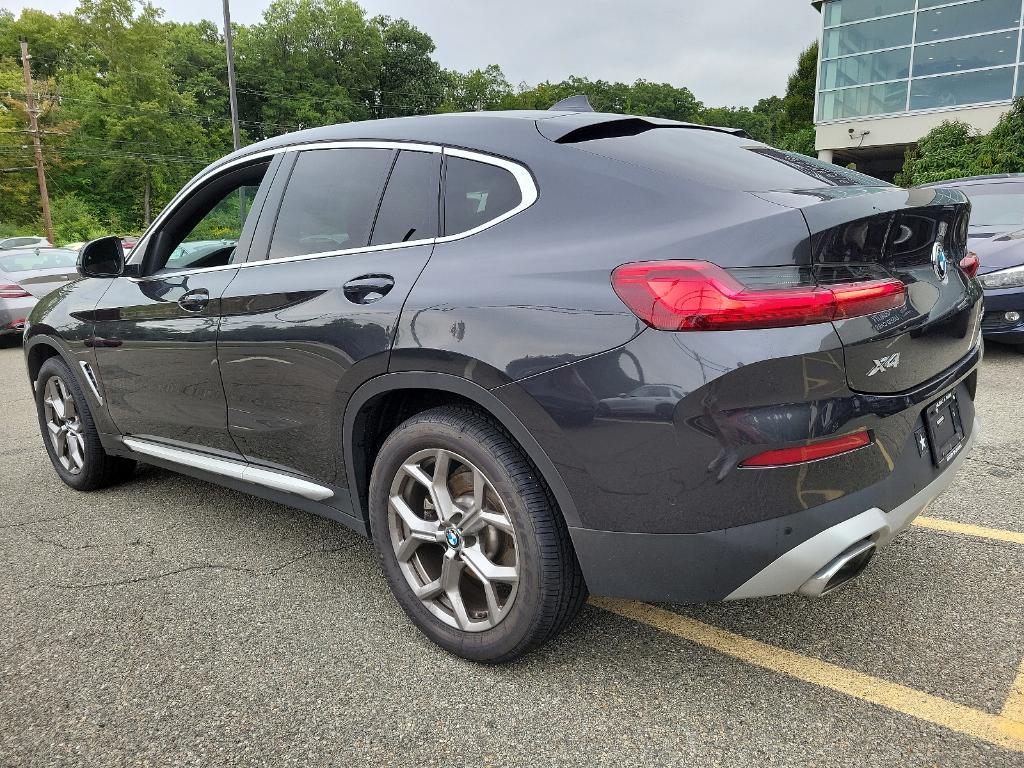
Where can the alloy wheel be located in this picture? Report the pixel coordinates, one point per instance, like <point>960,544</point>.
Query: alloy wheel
<point>64,425</point>
<point>454,540</point>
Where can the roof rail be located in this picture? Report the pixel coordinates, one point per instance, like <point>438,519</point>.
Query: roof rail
<point>578,103</point>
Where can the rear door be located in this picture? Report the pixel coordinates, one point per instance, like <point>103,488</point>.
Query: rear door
<point>304,327</point>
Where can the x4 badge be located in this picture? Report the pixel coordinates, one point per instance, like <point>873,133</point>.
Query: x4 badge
<point>883,364</point>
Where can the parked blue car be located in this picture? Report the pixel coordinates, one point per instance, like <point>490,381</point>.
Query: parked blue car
<point>996,235</point>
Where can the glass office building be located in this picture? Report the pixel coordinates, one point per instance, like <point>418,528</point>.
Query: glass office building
<point>890,70</point>
<point>883,57</point>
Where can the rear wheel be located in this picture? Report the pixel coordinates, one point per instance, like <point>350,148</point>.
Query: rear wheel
<point>69,433</point>
<point>469,538</point>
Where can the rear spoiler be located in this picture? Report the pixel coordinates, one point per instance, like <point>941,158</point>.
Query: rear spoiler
<point>573,126</point>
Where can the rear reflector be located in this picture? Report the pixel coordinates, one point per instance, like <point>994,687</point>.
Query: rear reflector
<point>811,452</point>
<point>696,295</point>
<point>13,291</point>
<point>970,263</point>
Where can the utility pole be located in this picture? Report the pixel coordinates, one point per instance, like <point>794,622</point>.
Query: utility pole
<point>33,116</point>
<point>233,98</point>
<point>232,95</point>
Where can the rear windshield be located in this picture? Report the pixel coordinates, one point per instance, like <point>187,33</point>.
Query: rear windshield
<point>996,205</point>
<point>724,160</point>
<point>43,258</point>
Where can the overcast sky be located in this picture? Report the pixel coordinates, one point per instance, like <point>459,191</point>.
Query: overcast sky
<point>728,52</point>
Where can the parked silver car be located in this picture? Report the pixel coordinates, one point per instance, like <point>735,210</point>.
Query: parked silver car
<point>25,241</point>
<point>26,275</point>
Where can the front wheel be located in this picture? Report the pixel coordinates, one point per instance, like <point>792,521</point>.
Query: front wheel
<point>69,433</point>
<point>470,541</point>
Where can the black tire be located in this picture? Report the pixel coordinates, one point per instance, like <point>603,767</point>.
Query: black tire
<point>99,469</point>
<point>551,588</point>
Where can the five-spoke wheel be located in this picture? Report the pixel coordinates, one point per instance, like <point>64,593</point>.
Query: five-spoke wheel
<point>63,425</point>
<point>453,539</point>
<point>469,538</point>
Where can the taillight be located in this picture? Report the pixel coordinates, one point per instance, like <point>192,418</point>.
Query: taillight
<point>696,295</point>
<point>970,263</point>
<point>818,450</point>
<point>13,291</point>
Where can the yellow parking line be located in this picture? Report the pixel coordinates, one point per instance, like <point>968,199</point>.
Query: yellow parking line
<point>1013,709</point>
<point>1004,730</point>
<point>938,524</point>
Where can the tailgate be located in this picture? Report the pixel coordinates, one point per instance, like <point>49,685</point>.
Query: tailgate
<point>918,236</point>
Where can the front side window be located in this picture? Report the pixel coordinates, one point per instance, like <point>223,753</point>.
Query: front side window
<point>331,201</point>
<point>205,229</point>
<point>476,193</point>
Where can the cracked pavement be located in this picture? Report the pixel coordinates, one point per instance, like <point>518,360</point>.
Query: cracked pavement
<point>169,622</point>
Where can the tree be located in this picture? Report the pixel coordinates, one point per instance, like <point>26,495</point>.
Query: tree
<point>410,81</point>
<point>755,124</point>
<point>798,103</point>
<point>476,90</point>
<point>309,62</point>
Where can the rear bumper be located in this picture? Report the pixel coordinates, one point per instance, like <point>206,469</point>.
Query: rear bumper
<point>778,556</point>
<point>809,567</point>
<point>13,313</point>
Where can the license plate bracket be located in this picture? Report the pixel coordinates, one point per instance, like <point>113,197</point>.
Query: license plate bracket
<point>945,429</point>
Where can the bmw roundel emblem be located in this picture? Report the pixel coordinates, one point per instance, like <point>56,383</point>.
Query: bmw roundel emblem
<point>939,261</point>
<point>453,538</point>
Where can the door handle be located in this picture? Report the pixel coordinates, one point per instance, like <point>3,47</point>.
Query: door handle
<point>368,288</point>
<point>195,301</point>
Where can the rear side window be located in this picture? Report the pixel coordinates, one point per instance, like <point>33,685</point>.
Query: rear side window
<point>330,201</point>
<point>410,205</point>
<point>724,160</point>
<point>476,193</point>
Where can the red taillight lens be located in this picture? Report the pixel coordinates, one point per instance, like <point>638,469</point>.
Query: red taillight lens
<point>696,295</point>
<point>970,263</point>
<point>13,291</point>
<point>819,450</point>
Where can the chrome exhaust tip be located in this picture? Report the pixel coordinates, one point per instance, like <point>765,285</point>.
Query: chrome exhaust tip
<point>840,570</point>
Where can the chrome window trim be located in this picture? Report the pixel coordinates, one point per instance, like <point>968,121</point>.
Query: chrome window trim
<point>527,188</point>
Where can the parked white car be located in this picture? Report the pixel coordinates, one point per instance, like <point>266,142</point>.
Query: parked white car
<point>28,241</point>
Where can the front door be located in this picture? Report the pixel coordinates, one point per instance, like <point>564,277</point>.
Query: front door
<point>304,328</point>
<point>155,333</point>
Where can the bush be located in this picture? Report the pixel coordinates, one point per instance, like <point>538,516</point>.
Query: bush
<point>74,220</point>
<point>953,150</point>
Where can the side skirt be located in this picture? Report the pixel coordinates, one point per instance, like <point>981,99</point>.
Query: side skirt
<point>279,487</point>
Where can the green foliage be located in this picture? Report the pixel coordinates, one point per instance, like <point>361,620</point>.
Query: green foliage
<point>73,220</point>
<point>801,140</point>
<point>133,105</point>
<point>798,103</point>
<point>1003,148</point>
<point>953,150</point>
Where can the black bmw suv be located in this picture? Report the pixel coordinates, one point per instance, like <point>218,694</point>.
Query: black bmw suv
<point>535,354</point>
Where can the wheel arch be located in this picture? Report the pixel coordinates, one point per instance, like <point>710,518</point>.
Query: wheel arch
<point>41,348</point>
<point>363,404</point>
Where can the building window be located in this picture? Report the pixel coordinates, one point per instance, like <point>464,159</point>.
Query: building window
<point>936,53</point>
<point>967,88</point>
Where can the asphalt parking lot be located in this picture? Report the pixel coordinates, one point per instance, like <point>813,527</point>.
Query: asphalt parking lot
<point>171,622</point>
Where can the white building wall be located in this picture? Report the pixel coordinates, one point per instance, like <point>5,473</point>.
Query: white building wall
<point>900,129</point>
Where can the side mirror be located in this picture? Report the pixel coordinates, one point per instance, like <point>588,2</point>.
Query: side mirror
<point>101,258</point>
